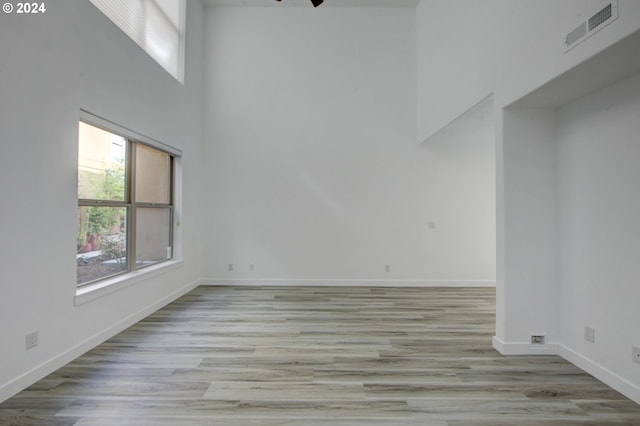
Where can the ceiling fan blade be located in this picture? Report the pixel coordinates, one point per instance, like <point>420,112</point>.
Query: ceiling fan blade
<point>315,3</point>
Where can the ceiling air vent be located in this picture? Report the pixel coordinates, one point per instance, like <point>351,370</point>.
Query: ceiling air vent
<point>576,34</point>
<point>586,29</point>
<point>600,18</point>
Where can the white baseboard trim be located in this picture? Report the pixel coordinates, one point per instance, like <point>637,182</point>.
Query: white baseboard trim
<point>9,389</point>
<point>601,373</point>
<point>343,282</point>
<point>524,348</point>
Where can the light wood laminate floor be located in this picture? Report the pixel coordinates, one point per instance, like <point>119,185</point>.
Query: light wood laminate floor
<point>317,356</point>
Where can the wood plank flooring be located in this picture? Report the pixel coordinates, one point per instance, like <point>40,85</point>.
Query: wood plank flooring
<point>317,356</point>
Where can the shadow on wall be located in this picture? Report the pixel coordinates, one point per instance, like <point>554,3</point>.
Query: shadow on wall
<point>476,123</point>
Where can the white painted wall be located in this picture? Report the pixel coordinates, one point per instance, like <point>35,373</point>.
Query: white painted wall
<point>311,170</point>
<point>529,194</point>
<point>54,64</point>
<point>556,270</point>
<point>598,176</point>
<point>566,183</point>
<point>468,49</point>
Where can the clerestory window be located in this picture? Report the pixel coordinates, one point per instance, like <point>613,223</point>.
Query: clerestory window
<point>157,26</point>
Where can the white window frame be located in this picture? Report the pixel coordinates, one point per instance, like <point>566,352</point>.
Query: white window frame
<point>91,291</point>
<point>133,21</point>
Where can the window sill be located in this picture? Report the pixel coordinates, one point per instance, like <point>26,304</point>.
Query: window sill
<point>93,291</point>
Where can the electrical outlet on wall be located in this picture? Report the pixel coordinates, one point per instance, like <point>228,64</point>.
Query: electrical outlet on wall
<point>635,353</point>
<point>589,334</point>
<point>538,338</point>
<point>31,340</point>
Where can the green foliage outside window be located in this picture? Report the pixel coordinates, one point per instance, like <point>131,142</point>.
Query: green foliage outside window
<point>100,220</point>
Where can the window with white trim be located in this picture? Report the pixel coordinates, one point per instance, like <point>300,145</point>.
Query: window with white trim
<point>157,26</point>
<point>125,203</point>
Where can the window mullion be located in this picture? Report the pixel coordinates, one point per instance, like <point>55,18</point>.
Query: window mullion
<point>131,188</point>
<point>152,205</point>
<point>172,201</point>
<point>101,203</point>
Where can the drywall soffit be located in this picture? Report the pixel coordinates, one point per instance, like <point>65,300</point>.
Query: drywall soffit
<point>618,61</point>
<point>474,120</point>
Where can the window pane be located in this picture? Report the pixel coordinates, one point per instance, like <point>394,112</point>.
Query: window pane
<point>161,39</point>
<point>171,9</point>
<point>101,242</point>
<point>153,235</point>
<point>101,159</point>
<point>156,26</point>
<point>153,175</point>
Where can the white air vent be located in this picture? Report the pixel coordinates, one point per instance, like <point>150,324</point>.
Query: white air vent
<point>586,29</point>
<point>600,18</point>
<point>576,34</point>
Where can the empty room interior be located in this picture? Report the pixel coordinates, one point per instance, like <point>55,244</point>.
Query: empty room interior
<point>357,212</point>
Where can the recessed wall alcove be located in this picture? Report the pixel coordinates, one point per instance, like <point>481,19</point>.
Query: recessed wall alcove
<point>567,185</point>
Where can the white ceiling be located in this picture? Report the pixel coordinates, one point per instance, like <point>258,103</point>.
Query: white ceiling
<point>307,3</point>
